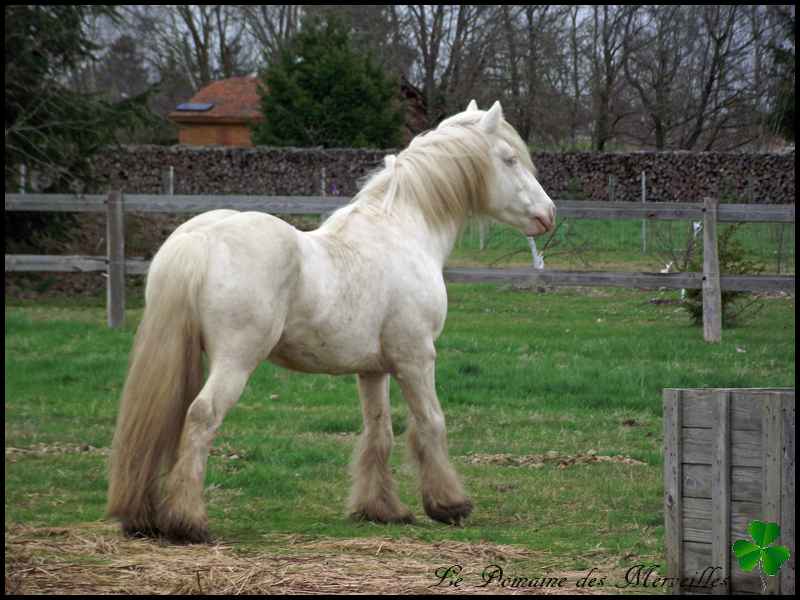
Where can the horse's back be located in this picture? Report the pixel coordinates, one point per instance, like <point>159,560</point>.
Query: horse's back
<point>244,248</point>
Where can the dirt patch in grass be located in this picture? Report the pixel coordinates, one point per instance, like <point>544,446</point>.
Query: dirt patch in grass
<point>224,451</point>
<point>42,449</point>
<point>537,461</point>
<point>94,558</point>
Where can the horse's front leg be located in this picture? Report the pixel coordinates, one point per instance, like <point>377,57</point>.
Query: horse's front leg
<point>442,493</point>
<point>373,496</point>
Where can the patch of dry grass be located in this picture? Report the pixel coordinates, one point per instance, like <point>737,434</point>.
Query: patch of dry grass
<point>94,559</point>
<point>537,461</point>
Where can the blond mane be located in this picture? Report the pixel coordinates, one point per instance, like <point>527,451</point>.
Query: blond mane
<point>442,175</point>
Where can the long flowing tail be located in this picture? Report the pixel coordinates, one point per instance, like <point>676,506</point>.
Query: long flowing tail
<point>164,376</point>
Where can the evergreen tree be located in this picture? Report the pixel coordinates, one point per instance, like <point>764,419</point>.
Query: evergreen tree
<point>321,92</point>
<point>51,128</point>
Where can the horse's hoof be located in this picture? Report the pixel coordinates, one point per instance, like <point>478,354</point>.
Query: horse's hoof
<point>187,534</point>
<point>405,517</point>
<point>177,530</point>
<point>138,532</point>
<point>453,514</point>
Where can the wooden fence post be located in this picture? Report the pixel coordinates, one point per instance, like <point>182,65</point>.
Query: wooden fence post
<point>721,493</point>
<point>712,294</point>
<point>673,484</point>
<point>644,221</point>
<point>115,240</point>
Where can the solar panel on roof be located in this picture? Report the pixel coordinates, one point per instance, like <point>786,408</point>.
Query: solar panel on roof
<point>195,106</point>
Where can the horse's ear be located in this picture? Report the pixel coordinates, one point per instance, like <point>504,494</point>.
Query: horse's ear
<point>472,106</point>
<point>389,161</point>
<point>490,122</point>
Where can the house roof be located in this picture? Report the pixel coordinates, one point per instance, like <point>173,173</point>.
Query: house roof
<point>237,101</point>
<point>234,100</point>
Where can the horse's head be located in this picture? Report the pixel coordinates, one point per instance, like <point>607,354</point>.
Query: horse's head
<point>514,196</point>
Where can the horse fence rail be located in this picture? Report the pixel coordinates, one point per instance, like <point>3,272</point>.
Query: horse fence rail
<point>117,265</point>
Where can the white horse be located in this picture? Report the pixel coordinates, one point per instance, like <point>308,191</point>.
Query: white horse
<point>363,294</point>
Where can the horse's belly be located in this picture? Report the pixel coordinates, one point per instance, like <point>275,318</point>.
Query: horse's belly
<point>317,356</point>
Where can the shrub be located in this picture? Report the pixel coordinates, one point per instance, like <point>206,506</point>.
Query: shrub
<point>733,260</point>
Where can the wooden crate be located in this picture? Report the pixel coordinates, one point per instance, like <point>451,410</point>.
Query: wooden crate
<point>728,459</point>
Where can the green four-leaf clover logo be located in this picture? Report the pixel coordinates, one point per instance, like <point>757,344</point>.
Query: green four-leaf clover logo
<point>750,554</point>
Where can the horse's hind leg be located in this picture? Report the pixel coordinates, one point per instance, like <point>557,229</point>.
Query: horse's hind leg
<point>373,496</point>
<point>182,514</point>
<point>442,493</point>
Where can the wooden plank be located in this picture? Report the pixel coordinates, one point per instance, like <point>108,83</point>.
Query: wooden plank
<point>746,410</point>
<point>578,209</point>
<point>772,444</point>
<point>523,276</point>
<point>674,211</point>
<point>115,242</point>
<point>56,202</point>
<point>721,488</point>
<point>756,213</point>
<point>277,205</point>
<point>698,445</point>
<point>673,484</point>
<point>699,515</point>
<point>155,203</point>
<point>787,573</point>
<point>757,283</point>
<point>676,281</point>
<point>712,292</point>
<point>533,277</point>
<point>44,263</point>
<point>745,482</point>
<point>29,263</point>
<point>136,266</point>
<point>697,560</point>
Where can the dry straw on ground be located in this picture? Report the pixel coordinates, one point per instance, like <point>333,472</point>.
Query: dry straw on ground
<point>537,461</point>
<point>94,559</point>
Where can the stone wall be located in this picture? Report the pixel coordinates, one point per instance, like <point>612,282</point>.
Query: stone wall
<point>670,176</point>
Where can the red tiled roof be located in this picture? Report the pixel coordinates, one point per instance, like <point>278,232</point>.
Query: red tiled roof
<point>235,100</point>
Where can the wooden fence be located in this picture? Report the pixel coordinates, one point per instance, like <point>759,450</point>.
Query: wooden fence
<point>729,459</point>
<point>116,264</point>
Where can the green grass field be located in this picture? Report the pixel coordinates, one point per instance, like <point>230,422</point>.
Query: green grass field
<point>616,245</point>
<point>570,373</point>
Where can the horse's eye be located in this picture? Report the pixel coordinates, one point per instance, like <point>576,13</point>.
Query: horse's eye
<point>510,160</point>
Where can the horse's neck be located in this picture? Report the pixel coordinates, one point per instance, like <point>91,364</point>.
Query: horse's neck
<point>441,240</point>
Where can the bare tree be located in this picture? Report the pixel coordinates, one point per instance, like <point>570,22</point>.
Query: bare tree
<point>575,87</point>
<point>206,42</point>
<point>271,26</point>
<point>606,53</point>
<point>656,45</point>
<point>210,40</point>
<point>427,24</point>
<point>715,56</point>
<point>717,94</point>
<point>454,45</point>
